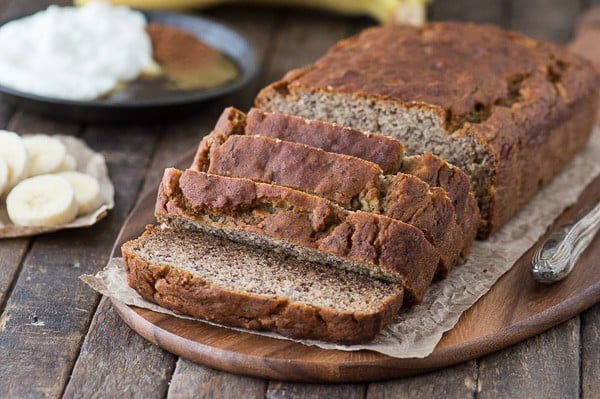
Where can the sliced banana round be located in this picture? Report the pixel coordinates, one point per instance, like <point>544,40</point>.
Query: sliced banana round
<point>12,150</point>
<point>68,164</point>
<point>46,154</point>
<point>3,175</point>
<point>45,200</point>
<point>87,191</point>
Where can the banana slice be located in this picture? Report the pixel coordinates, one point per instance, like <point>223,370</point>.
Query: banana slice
<point>3,175</point>
<point>13,151</point>
<point>68,164</point>
<point>87,191</point>
<point>46,200</point>
<point>46,154</point>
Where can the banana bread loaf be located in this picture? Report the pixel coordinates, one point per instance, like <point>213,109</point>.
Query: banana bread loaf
<point>236,285</point>
<point>309,227</point>
<point>508,110</point>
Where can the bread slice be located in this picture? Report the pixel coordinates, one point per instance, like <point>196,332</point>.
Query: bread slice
<point>348,181</point>
<point>309,227</point>
<point>383,151</point>
<point>236,285</point>
<point>508,110</point>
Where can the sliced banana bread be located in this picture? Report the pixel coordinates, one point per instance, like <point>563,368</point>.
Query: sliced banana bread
<point>508,110</point>
<point>382,150</point>
<point>351,182</point>
<point>309,227</point>
<point>236,285</point>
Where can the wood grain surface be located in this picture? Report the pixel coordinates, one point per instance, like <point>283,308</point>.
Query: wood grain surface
<point>81,347</point>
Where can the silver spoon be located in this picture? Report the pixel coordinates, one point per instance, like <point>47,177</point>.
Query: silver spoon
<point>557,256</point>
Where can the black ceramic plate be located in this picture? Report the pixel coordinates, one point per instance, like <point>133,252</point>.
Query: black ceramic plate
<point>141,103</point>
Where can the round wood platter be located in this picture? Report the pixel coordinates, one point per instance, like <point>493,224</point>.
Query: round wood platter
<point>514,309</point>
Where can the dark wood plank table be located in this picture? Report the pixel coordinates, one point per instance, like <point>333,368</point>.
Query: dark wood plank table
<point>59,338</point>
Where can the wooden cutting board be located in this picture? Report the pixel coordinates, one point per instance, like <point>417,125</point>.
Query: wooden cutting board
<point>514,309</point>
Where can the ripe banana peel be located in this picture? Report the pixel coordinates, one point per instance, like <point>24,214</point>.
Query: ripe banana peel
<point>385,11</point>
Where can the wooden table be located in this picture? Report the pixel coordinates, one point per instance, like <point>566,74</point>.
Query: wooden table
<point>59,338</point>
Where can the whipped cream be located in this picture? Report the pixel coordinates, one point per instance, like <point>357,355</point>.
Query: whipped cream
<point>75,53</point>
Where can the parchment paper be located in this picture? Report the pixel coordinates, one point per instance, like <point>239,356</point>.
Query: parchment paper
<point>416,332</point>
<point>87,161</point>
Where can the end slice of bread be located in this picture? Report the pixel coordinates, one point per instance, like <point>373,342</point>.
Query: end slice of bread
<point>236,285</point>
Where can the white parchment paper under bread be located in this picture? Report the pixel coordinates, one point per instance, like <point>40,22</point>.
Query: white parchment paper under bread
<point>87,161</point>
<point>417,331</point>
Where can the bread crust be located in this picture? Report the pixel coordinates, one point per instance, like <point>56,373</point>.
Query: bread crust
<point>527,163</point>
<point>452,76</point>
<point>438,173</point>
<point>231,121</point>
<point>413,201</point>
<point>339,178</point>
<point>185,293</point>
<point>305,225</point>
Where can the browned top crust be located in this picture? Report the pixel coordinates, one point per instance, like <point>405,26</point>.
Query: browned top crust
<point>413,201</point>
<point>438,173</point>
<point>339,178</point>
<point>465,71</point>
<point>381,150</point>
<point>231,121</point>
<point>378,245</point>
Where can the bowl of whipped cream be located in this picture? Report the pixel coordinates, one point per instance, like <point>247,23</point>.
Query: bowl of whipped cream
<point>106,63</point>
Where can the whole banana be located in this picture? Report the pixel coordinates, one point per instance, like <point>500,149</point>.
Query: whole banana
<point>385,11</point>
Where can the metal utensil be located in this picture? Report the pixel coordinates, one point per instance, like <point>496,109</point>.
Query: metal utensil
<point>557,256</point>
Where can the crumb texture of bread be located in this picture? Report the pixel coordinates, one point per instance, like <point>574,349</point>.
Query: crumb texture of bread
<point>303,225</point>
<point>236,285</point>
<point>508,110</point>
